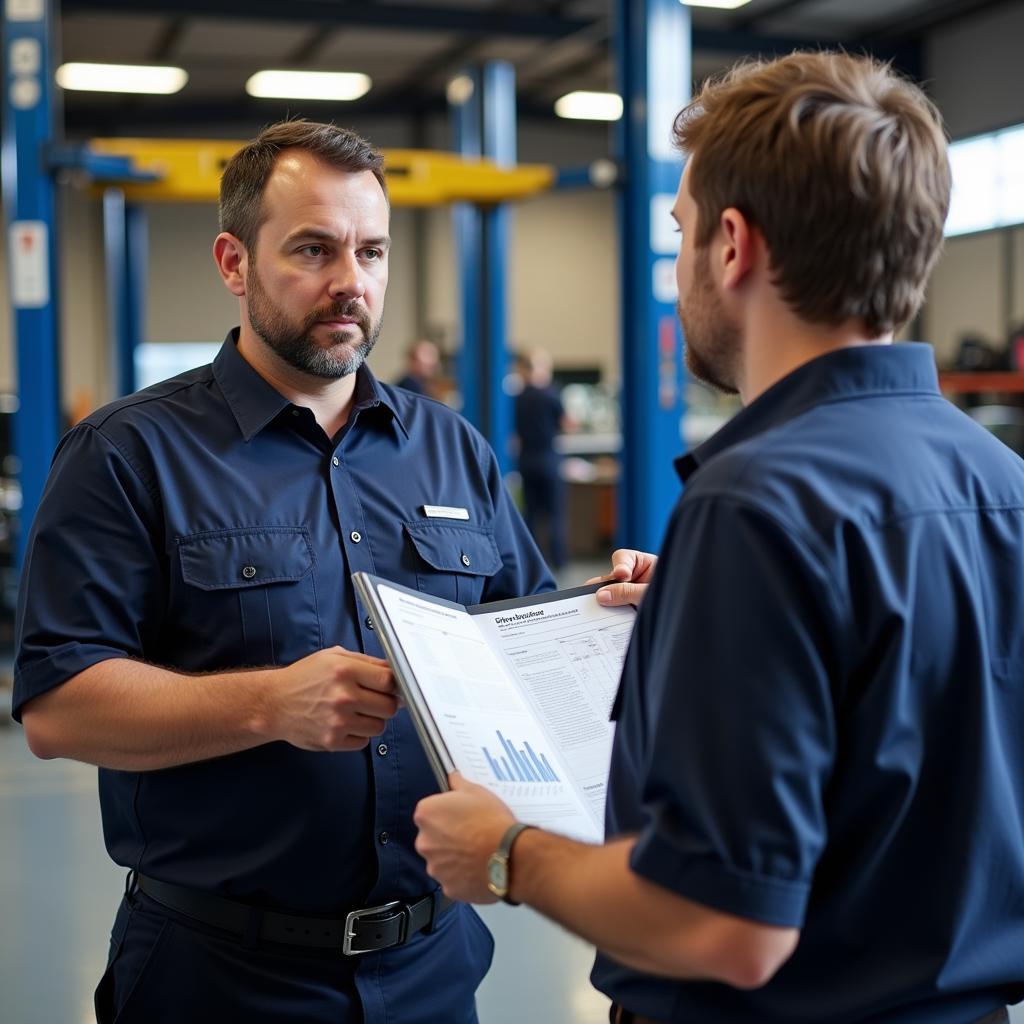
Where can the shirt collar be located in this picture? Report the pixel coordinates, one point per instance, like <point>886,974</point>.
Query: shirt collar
<point>846,373</point>
<point>254,402</point>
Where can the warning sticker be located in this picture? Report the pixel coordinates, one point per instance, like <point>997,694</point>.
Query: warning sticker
<point>24,10</point>
<point>30,264</point>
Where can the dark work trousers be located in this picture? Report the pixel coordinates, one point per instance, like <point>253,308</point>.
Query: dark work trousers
<point>162,971</point>
<point>167,969</point>
<point>544,510</point>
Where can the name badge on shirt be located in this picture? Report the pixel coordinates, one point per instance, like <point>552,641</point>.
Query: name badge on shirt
<point>445,512</point>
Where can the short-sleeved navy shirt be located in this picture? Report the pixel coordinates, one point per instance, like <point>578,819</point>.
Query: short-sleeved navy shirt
<point>821,721</point>
<point>208,524</point>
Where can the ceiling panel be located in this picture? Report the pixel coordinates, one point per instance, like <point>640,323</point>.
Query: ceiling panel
<point>259,41</point>
<point>112,38</point>
<point>467,4</point>
<point>587,9</point>
<point>550,58</point>
<point>840,18</point>
<point>384,45</point>
<point>515,49</point>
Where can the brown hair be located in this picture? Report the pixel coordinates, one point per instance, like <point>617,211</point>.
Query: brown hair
<point>246,174</point>
<point>841,164</point>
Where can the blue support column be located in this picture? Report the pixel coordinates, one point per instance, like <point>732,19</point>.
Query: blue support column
<point>654,59</point>
<point>467,222</point>
<point>499,128</point>
<point>124,253</point>
<point>28,192</point>
<point>137,260</point>
<point>484,124</point>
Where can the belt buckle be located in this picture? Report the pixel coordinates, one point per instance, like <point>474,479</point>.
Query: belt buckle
<point>355,915</point>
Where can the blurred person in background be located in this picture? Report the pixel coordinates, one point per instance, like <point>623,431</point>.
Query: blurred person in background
<point>422,362</point>
<point>539,418</point>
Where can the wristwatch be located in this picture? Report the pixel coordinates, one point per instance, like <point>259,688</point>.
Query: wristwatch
<point>498,873</point>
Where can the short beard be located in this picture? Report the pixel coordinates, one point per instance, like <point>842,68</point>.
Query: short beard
<point>296,345</point>
<point>712,343</point>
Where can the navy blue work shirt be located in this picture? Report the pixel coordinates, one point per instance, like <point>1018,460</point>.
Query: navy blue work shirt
<point>538,421</point>
<point>208,524</point>
<point>821,720</point>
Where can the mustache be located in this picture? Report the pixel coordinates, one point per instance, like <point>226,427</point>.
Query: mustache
<point>351,309</point>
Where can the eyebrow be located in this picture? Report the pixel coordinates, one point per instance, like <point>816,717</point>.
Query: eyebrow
<point>323,235</point>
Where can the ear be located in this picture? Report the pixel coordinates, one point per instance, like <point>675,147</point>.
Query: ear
<point>232,261</point>
<point>737,249</point>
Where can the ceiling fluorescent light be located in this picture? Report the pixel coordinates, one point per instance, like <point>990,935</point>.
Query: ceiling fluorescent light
<point>121,78</point>
<point>308,85</point>
<point>722,5</point>
<point>589,106</point>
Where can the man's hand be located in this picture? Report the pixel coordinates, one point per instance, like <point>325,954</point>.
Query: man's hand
<point>635,570</point>
<point>332,700</point>
<point>459,831</point>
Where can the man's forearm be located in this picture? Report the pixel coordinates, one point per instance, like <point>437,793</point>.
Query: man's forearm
<point>592,891</point>
<point>132,716</point>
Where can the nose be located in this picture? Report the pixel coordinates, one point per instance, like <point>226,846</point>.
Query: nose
<point>347,281</point>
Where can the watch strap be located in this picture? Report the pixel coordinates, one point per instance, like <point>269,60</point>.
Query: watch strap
<point>512,833</point>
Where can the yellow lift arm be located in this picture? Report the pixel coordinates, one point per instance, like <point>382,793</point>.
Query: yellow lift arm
<point>190,171</point>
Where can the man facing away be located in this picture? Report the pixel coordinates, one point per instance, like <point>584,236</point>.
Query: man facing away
<point>187,623</point>
<point>816,802</point>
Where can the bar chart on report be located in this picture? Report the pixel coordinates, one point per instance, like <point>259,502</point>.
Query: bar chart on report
<point>510,764</point>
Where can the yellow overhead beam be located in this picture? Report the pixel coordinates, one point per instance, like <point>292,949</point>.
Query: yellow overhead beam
<point>190,171</point>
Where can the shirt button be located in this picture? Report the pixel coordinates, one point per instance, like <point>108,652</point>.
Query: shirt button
<point>295,412</point>
<point>355,536</point>
<point>369,623</point>
<point>383,838</point>
<point>465,559</point>
<point>382,749</point>
<point>336,461</point>
<point>249,571</point>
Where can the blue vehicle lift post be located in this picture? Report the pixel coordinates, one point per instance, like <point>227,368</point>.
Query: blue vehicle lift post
<point>29,206</point>
<point>484,124</point>
<point>125,253</point>
<point>654,61</point>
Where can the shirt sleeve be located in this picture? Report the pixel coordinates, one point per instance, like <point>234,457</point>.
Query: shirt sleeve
<point>737,713</point>
<point>523,569</point>
<point>91,588</point>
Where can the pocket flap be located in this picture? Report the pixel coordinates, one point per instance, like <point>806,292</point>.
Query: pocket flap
<point>247,557</point>
<point>451,547</point>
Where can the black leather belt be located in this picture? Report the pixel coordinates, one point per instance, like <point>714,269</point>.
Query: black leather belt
<point>360,931</point>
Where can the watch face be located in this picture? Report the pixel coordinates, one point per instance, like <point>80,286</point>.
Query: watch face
<point>497,875</point>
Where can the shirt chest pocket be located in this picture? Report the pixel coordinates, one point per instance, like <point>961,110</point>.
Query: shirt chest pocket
<point>250,594</point>
<point>453,561</point>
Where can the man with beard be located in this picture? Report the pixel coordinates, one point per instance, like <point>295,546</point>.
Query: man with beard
<point>187,623</point>
<point>816,802</point>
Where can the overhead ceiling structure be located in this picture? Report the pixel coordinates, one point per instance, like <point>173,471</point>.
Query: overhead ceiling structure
<point>412,48</point>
